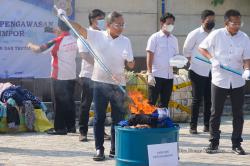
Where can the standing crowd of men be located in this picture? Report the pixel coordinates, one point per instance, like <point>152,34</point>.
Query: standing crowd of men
<point>103,78</point>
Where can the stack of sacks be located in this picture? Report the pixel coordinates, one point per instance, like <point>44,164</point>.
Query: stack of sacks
<point>182,94</point>
<point>137,82</point>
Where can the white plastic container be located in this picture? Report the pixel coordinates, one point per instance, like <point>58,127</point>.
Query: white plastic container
<point>178,61</point>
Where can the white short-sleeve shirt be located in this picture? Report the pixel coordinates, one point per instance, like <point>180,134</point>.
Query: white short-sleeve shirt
<point>164,47</point>
<point>230,51</point>
<point>190,49</point>
<point>86,68</point>
<point>112,53</point>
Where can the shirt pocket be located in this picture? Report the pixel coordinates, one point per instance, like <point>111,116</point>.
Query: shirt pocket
<point>162,49</point>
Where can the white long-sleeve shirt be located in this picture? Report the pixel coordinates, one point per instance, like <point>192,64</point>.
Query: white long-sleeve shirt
<point>230,51</point>
<point>190,50</point>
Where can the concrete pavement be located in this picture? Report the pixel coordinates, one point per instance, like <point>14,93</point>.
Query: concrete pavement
<point>23,149</point>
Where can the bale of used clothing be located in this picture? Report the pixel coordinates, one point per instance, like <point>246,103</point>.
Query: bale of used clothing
<point>20,95</point>
<point>29,114</point>
<point>142,119</point>
<point>4,122</point>
<point>160,118</point>
<point>13,119</point>
<point>2,110</point>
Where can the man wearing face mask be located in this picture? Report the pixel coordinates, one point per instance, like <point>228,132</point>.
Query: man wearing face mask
<point>161,46</point>
<point>96,22</point>
<point>228,47</point>
<point>199,72</point>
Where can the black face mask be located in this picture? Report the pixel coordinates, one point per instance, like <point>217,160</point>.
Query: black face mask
<point>210,25</point>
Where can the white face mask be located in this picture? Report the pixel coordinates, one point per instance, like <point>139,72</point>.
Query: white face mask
<point>101,24</point>
<point>168,28</point>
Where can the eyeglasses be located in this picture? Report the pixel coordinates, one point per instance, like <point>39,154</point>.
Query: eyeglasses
<point>117,26</point>
<point>236,24</point>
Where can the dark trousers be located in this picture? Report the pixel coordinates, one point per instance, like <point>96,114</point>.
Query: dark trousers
<point>64,104</point>
<point>103,94</point>
<point>162,88</point>
<point>218,100</point>
<point>201,90</point>
<point>86,100</point>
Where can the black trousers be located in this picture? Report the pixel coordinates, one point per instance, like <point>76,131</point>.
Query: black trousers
<point>218,100</point>
<point>103,95</point>
<point>64,104</point>
<point>201,90</point>
<point>86,100</point>
<point>162,88</point>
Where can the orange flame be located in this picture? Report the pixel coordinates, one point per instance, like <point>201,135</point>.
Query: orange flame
<point>141,105</point>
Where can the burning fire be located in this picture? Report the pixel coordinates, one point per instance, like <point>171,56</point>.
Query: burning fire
<point>140,105</point>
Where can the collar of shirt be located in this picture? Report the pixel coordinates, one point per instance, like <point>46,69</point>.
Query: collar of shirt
<point>202,30</point>
<point>229,34</point>
<point>162,34</point>
<point>110,37</point>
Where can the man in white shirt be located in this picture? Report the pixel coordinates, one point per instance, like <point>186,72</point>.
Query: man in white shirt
<point>113,50</point>
<point>229,47</point>
<point>161,46</point>
<point>96,22</point>
<point>63,73</point>
<point>199,72</point>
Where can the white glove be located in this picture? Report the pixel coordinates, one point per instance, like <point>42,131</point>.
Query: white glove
<point>125,54</point>
<point>215,62</point>
<point>60,13</point>
<point>246,74</point>
<point>151,79</point>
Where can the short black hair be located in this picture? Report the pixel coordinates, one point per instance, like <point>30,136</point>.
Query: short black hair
<point>166,16</point>
<point>112,16</point>
<point>231,13</point>
<point>95,13</point>
<point>62,25</point>
<point>206,13</point>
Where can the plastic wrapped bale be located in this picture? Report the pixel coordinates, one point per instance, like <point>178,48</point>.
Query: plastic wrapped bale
<point>137,82</point>
<point>181,98</point>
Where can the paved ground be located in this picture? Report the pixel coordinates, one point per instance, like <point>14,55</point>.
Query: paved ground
<point>40,149</point>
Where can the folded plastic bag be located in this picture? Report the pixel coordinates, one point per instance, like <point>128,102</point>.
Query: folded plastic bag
<point>42,123</point>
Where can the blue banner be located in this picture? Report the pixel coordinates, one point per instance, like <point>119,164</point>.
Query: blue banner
<point>23,21</point>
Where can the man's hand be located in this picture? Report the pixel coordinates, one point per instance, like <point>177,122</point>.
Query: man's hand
<point>35,48</point>
<point>151,79</point>
<point>246,74</point>
<point>60,13</point>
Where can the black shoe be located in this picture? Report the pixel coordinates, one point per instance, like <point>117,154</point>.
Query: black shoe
<point>71,130</point>
<point>83,138</point>
<point>212,148</point>
<point>57,132</point>
<point>106,136</point>
<point>112,153</point>
<point>238,150</point>
<point>99,156</point>
<point>193,131</point>
<point>206,129</point>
